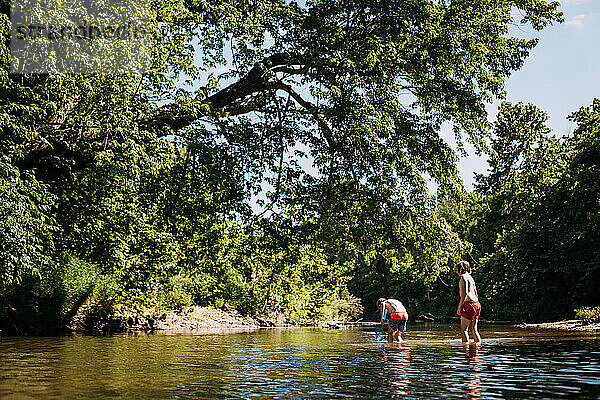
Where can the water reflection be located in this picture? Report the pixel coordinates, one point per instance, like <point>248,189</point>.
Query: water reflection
<point>473,355</point>
<point>303,364</point>
<point>397,366</point>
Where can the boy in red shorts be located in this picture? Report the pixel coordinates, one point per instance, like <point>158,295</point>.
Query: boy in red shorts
<point>392,312</point>
<point>469,308</point>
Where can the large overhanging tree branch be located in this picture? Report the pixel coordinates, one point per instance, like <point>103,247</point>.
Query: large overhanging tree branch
<point>241,97</point>
<point>355,58</point>
<point>451,56</point>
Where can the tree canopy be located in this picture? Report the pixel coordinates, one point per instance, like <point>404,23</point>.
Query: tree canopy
<point>328,113</point>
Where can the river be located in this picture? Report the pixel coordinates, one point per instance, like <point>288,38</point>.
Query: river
<point>303,363</point>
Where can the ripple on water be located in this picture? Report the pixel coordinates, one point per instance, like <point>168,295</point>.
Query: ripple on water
<point>303,363</point>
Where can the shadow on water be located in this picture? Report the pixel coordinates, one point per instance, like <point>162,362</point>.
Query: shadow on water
<point>303,363</point>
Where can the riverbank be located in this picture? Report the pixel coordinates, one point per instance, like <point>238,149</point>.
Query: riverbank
<point>191,319</point>
<point>201,318</point>
<point>566,325</point>
<point>188,319</point>
<point>194,318</point>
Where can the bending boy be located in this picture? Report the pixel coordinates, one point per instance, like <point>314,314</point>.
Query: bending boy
<point>392,312</point>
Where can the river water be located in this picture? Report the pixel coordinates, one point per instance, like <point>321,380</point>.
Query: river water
<point>303,363</point>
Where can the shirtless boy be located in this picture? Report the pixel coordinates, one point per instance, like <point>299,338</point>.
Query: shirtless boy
<point>469,308</point>
<point>392,312</point>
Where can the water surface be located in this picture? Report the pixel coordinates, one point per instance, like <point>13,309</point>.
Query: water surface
<point>303,363</point>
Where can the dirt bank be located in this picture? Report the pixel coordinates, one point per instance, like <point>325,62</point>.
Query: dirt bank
<point>187,320</point>
<point>191,319</point>
<point>200,318</point>
<point>205,317</point>
<point>566,325</point>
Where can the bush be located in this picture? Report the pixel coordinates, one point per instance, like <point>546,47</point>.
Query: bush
<point>342,306</point>
<point>105,296</point>
<point>588,315</point>
<point>177,293</point>
<point>26,229</point>
<point>48,301</point>
<point>323,304</point>
<point>66,287</point>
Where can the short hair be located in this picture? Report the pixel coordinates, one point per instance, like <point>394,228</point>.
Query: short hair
<point>381,300</point>
<point>463,267</point>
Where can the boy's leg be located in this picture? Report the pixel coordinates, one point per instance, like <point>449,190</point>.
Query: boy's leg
<point>390,334</point>
<point>464,326</point>
<point>398,335</point>
<point>474,330</point>
<point>401,329</point>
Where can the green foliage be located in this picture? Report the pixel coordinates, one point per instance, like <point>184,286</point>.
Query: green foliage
<point>48,301</point>
<point>147,180</point>
<point>535,227</point>
<point>67,285</point>
<point>105,297</point>
<point>184,291</point>
<point>319,304</point>
<point>26,229</point>
<point>589,315</point>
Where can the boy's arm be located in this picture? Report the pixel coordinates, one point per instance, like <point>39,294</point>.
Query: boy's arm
<point>381,312</point>
<point>461,287</point>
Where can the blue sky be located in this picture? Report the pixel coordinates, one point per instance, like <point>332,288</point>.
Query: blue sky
<point>561,75</point>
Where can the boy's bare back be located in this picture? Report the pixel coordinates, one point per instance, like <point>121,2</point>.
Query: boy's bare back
<point>470,288</point>
<point>394,305</point>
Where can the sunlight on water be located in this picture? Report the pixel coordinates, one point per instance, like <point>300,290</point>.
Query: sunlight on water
<point>303,363</point>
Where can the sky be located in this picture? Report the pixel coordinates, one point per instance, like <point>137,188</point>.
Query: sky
<point>561,75</point>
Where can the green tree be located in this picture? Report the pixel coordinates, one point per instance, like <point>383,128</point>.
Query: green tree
<point>150,174</point>
<point>536,224</point>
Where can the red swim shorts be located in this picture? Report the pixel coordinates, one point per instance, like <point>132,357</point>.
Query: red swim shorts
<point>398,320</point>
<point>470,310</point>
<point>399,316</point>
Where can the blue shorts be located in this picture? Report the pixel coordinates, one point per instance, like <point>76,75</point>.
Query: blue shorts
<point>397,324</point>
